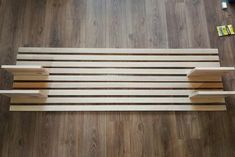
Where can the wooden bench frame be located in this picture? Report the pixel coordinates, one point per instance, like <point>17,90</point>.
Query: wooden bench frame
<point>117,80</point>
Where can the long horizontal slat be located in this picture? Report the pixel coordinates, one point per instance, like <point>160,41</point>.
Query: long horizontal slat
<point>118,108</point>
<point>23,93</point>
<point>128,71</point>
<point>210,71</point>
<point>115,51</point>
<point>25,69</point>
<point>117,71</point>
<point>40,85</point>
<point>117,92</point>
<point>104,100</point>
<point>115,78</point>
<point>212,94</point>
<point>38,57</point>
<point>120,64</point>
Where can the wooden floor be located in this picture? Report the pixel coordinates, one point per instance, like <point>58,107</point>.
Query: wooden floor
<point>115,24</point>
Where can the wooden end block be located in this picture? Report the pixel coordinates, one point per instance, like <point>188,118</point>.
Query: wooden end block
<point>203,94</point>
<point>23,93</point>
<point>210,71</point>
<point>25,69</point>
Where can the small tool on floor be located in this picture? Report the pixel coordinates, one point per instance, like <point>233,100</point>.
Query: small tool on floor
<point>224,4</point>
<point>225,30</point>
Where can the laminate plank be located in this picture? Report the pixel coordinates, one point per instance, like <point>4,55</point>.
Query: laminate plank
<point>156,24</point>
<point>198,35</point>
<point>177,30</point>
<point>91,108</point>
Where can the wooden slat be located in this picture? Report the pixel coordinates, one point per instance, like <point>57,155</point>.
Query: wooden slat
<point>118,92</point>
<point>210,71</point>
<point>118,78</point>
<point>38,57</point>
<point>117,71</point>
<point>211,94</point>
<point>115,51</point>
<point>119,100</point>
<point>117,108</point>
<point>120,64</point>
<point>23,93</point>
<point>25,69</point>
<point>113,85</point>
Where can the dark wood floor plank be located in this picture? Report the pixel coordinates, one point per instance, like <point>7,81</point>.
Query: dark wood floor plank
<point>156,24</point>
<point>196,22</point>
<point>177,29</point>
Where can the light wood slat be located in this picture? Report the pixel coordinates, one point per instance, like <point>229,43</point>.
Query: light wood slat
<point>210,71</point>
<point>120,64</point>
<point>118,108</point>
<point>115,78</point>
<point>38,57</point>
<point>117,71</point>
<point>119,100</point>
<point>25,69</point>
<point>116,92</point>
<point>212,94</point>
<point>23,93</point>
<point>113,85</point>
<point>115,51</point>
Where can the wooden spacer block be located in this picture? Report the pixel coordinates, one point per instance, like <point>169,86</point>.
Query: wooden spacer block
<point>200,94</point>
<point>25,69</point>
<point>208,71</point>
<point>24,93</point>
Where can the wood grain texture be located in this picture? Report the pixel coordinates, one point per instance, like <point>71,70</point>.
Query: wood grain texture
<point>119,108</point>
<point>32,50</point>
<point>117,57</point>
<point>210,71</point>
<point>211,94</point>
<point>116,100</point>
<point>24,93</point>
<point>25,70</point>
<point>118,65</point>
<point>115,24</point>
<point>118,78</point>
<point>109,92</point>
<point>122,85</point>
